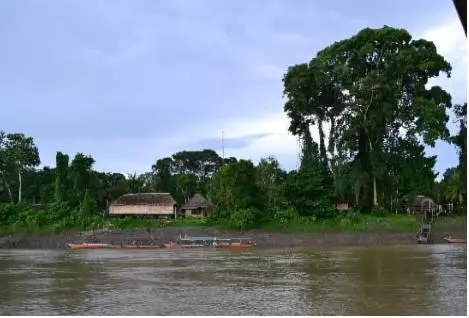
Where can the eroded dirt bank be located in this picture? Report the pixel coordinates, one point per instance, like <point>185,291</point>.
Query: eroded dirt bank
<point>159,236</point>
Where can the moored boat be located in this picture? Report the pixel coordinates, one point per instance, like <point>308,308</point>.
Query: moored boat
<point>136,247</point>
<point>217,242</point>
<point>450,239</point>
<point>87,245</point>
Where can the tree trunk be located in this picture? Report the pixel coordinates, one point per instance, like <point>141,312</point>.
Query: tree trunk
<point>20,183</point>
<point>332,138</point>
<point>375,190</point>
<point>7,185</point>
<point>322,145</point>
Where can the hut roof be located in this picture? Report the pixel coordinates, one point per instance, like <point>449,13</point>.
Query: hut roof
<point>145,199</point>
<point>197,201</point>
<point>421,200</point>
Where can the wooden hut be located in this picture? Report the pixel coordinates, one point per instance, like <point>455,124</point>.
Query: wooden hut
<point>197,206</point>
<point>144,204</point>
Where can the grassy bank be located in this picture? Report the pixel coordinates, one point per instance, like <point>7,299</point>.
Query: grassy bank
<point>455,225</point>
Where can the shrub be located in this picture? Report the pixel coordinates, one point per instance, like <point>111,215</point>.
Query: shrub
<point>244,219</point>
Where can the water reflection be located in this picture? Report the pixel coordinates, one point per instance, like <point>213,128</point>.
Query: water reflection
<point>407,280</point>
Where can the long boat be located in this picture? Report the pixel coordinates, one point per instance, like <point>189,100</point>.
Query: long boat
<point>88,245</point>
<point>109,246</point>
<point>181,242</point>
<point>449,239</point>
<point>208,241</point>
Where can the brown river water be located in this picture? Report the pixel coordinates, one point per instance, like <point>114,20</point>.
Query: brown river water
<point>323,280</point>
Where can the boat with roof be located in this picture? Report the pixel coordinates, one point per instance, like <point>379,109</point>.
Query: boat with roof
<point>209,241</point>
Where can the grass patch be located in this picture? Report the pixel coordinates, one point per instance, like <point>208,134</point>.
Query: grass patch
<point>359,223</point>
<point>133,223</point>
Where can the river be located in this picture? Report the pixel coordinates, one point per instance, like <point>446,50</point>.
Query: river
<point>323,280</point>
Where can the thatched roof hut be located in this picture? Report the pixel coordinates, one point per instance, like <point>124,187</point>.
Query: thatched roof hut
<point>198,201</point>
<point>145,199</point>
<point>156,204</point>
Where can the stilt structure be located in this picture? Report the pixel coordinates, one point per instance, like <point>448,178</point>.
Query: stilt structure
<point>424,236</point>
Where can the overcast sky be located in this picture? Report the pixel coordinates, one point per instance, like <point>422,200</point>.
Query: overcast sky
<point>129,82</point>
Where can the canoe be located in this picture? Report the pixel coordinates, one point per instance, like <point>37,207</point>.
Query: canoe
<point>455,240</point>
<point>173,245</point>
<point>150,247</point>
<point>87,245</point>
<point>247,245</point>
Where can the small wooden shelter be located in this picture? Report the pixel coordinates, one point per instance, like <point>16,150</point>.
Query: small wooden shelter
<point>144,204</point>
<point>197,206</point>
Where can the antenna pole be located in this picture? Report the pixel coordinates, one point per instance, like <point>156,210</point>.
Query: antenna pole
<point>223,145</point>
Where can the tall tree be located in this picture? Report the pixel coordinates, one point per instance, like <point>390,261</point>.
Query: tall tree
<point>62,184</point>
<point>460,140</point>
<point>19,152</point>
<point>163,171</point>
<point>380,77</point>
<point>270,178</point>
<point>81,174</point>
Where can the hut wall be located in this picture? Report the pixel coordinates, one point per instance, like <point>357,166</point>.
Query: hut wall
<point>195,213</point>
<point>141,209</point>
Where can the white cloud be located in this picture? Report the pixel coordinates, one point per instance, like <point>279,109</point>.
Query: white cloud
<point>451,42</point>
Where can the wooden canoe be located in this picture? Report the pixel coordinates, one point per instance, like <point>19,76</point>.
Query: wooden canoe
<point>87,245</point>
<point>136,247</point>
<point>455,240</point>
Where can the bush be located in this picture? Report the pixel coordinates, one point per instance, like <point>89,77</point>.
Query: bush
<point>284,216</point>
<point>244,219</point>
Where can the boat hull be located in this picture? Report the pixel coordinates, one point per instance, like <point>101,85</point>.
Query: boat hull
<point>455,240</point>
<point>87,245</point>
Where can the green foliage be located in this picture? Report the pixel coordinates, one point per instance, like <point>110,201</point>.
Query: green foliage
<point>368,88</point>
<point>244,219</point>
<point>371,90</point>
<point>88,206</point>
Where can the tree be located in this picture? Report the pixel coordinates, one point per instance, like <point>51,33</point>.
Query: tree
<point>203,164</point>
<point>62,184</point>
<point>81,169</point>
<point>162,170</point>
<point>88,205</point>
<point>270,178</point>
<point>109,187</point>
<point>309,189</point>
<point>379,79</point>
<point>5,164</point>
<point>135,183</point>
<point>186,186</point>
<point>17,152</point>
<point>235,194</point>
<point>460,140</point>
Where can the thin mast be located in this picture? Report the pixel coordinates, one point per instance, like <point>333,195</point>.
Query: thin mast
<point>223,145</point>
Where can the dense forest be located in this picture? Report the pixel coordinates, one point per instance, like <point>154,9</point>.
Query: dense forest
<point>369,90</point>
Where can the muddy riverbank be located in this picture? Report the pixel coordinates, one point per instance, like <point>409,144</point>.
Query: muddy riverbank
<point>159,236</point>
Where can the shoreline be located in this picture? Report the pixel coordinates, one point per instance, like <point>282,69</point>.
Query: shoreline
<point>158,236</point>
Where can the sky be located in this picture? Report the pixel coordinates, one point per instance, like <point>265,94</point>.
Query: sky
<point>130,82</point>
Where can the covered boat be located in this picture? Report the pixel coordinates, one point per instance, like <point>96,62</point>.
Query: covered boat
<point>208,241</point>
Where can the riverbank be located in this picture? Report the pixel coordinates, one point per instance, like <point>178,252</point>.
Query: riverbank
<point>159,236</point>
<point>263,237</point>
